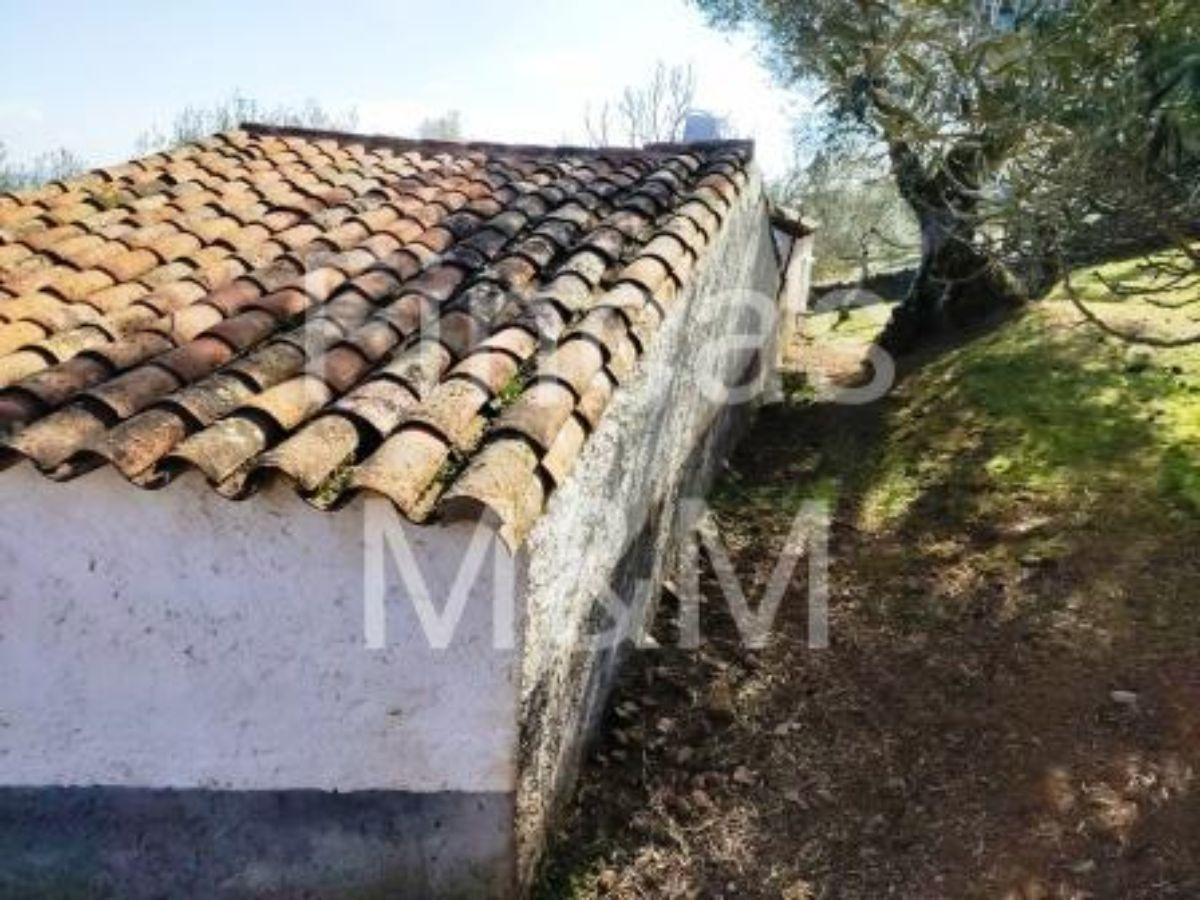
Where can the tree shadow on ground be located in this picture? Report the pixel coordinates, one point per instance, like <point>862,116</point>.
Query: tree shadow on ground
<point>1010,705</point>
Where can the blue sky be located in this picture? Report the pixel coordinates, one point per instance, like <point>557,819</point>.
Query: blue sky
<point>92,76</point>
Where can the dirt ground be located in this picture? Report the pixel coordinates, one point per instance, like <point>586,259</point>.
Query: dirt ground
<point>1010,704</point>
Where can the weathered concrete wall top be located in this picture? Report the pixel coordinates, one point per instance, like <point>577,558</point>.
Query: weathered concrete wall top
<point>607,530</point>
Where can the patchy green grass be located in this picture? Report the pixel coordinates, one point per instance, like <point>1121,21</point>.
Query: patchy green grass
<point>862,323</point>
<point>1167,277</point>
<point>1046,404</point>
<point>1048,409</point>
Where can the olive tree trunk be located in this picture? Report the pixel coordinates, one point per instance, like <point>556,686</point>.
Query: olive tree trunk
<point>957,283</point>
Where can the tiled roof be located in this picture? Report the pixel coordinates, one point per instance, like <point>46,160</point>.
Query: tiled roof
<point>442,324</point>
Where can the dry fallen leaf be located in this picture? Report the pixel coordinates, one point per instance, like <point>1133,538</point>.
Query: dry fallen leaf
<point>798,890</point>
<point>701,800</point>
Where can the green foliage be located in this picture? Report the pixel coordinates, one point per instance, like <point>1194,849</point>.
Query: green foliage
<point>863,224</point>
<point>928,72</point>
<point>509,393</point>
<point>1112,91</point>
<point>1005,137</point>
<point>1175,99</point>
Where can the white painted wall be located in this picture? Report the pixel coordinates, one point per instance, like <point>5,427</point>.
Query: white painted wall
<point>178,639</point>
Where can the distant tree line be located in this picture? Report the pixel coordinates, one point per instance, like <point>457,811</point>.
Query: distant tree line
<point>195,122</point>
<point>654,111</point>
<point>863,226</point>
<point>53,164</point>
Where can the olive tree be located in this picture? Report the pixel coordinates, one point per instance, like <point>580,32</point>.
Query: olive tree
<point>985,121</point>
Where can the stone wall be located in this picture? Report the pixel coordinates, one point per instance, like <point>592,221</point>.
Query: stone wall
<point>610,530</point>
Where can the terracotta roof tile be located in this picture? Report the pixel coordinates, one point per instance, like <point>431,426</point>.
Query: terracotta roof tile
<point>574,363</point>
<point>539,412</point>
<point>441,324</point>
<point>222,448</point>
<point>52,387</point>
<point>404,468</point>
<point>137,444</point>
<point>51,440</point>
<point>501,481</point>
<point>312,455</point>
<point>216,396</point>
<point>560,458</point>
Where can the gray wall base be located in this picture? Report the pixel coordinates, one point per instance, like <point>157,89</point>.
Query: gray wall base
<point>133,843</point>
